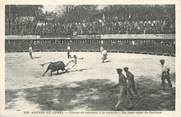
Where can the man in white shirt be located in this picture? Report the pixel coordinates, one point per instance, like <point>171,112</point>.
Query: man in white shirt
<point>30,51</point>
<point>101,48</point>
<point>165,74</point>
<point>104,55</point>
<point>73,61</point>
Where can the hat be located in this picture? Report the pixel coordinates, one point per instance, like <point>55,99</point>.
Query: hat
<point>75,56</point>
<point>126,68</point>
<point>162,61</point>
<point>168,69</point>
<point>119,70</point>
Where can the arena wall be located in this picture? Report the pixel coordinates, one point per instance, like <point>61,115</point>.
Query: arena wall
<point>128,43</point>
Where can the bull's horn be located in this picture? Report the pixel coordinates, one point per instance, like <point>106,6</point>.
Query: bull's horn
<point>42,65</point>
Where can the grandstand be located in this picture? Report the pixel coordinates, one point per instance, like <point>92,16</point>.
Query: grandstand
<point>117,19</point>
<point>140,29</point>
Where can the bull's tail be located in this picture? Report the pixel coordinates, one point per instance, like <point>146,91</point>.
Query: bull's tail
<point>81,58</point>
<point>45,64</point>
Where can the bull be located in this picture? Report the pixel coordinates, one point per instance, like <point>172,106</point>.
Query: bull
<point>54,66</point>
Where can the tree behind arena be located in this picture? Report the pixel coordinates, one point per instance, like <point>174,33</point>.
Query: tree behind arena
<point>77,13</point>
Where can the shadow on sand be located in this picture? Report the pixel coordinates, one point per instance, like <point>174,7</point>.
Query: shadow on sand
<point>36,57</point>
<point>69,71</point>
<point>93,95</point>
<point>107,61</point>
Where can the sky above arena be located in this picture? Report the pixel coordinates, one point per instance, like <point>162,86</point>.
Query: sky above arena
<point>50,8</point>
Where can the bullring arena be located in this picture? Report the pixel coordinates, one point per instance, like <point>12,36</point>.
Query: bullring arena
<point>88,86</point>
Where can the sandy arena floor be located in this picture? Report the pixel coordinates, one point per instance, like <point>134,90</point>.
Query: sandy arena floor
<point>86,87</point>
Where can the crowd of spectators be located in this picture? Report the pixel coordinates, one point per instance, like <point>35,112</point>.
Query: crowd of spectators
<point>103,25</point>
<point>96,27</point>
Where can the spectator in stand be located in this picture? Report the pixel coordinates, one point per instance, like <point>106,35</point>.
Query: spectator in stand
<point>133,23</point>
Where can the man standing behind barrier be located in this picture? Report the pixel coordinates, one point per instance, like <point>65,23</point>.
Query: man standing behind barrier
<point>165,74</point>
<point>131,82</point>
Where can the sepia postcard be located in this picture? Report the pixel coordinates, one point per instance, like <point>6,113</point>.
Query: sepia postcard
<point>90,58</point>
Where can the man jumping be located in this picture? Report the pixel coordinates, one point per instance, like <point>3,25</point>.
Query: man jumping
<point>74,61</point>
